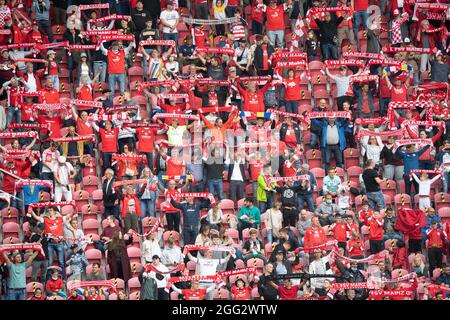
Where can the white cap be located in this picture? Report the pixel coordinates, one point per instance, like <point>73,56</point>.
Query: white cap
<point>407,40</point>
<point>62,159</point>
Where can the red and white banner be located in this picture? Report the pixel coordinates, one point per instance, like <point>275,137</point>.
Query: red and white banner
<point>169,43</point>
<point>22,246</point>
<point>53,45</point>
<point>409,49</point>
<point>112,17</point>
<point>175,116</point>
<point>228,51</point>
<point>76,284</point>
<point>340,63</point>
<point>129,182</point>
<point>329,114</point>
<point>49,107</point>
<point>117,37</point>
<point>195,247</point>
<point>86,104</point>
<point>363,55</point>
<point>74,139</point>
<point>149,267</point>
<point>287,114</point>
<point>82,47</point>
<point>293,178</point>
<point>51,204</point>
<point>325,246</point>
<point>384,134</point>
<point>93,6</point>
<point>402,142</point>
<point>90,33</point>
<point>12,135</point>
<point>34,182</point>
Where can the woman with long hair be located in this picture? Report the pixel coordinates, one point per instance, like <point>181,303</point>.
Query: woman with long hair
<point>117,258</point>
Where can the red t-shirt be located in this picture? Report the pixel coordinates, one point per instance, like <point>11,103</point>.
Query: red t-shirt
<point>340,231</point>
<point>376,229</point>
<point>257,13</point>
<point>200,37</point>
<point>146,138</point>
<point>435,237</point>
<point>265,57</point>
<point>175,167</point>
<point>361,5</point>
<point>27,111</point>
<point>241,293</point>
<point>290,139</point>
<point>53,68</point>
<point>190,294</point>
<point>255,170</point>
<point>169,194</point>
<point>292,89</point>
<point>54,226</point>
<point>399,94</point>
<point>314,237</point>
<point>109,139</point>
<point>116,62</point>
<point>85,93</point>
<point>289,171</point>
<point>55,125</point>
<point>48,96</point>
<point>288,294</point>
<point>353,249</point>
<point>84,128</point>
<point>275,18</point>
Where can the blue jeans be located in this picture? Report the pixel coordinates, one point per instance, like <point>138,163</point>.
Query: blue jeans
<point>145,62</point>
<point>292,106</point>
<point>314,140</point>
<point>170,36</point>
<point>329,51</point>
<point>308,198</point>
<point>384,102</point>
<point>55,81</point>
<point>276,38</point>
<point>148,205</point>
<point>97,65</point>
<point>17,294</point>
<point>13,113</point>
<point>445,181</point>
<point>376,199</point>
<point>107,159</point>
<point>336,151</point>
<point>59,249</point>
<point>216,185</point>
<point>358,18</point>
<point>119,78</point>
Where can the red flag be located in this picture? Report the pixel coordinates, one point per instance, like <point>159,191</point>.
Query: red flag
<point>408,220</point>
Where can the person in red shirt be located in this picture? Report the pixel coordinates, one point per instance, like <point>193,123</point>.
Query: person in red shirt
<point>172,213</point>
<point>195,292</point>
<point>287,291</point>
<point>146,145</point>
<point>365,213</point>
<point>26,109</point>
<point>436,238</point>
<point>53,226</point>
<point>55,286</point>
<point>254,99</point>
<point>54,121</point>
<point>376,232</point>
<point>399,91</point>
<point>53,68</point>
<point>84,90</point>
<point>14,88</point>
<point>176,166</point>
<point>275,22</point>
<point>339,230</point>
<point>35,35</point>
<point>84,128</point>
<point>74,295</point>
<point>355,247</point>
<point>116,65</point>
<point>314,235</point>
<point>292,91</point>
<point>16,168</point>
<point>240,291</point>
<point>93,294</point>
<point>48,94</point>
<point>361,15</point>
<point>108,136</point>
<point>257,17</point>
<point>37,295</point>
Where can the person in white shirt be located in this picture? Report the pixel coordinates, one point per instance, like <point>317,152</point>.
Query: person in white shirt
<point>425,188</point>
<point>169,20</point>
<point>373,148</point>
<point>172,255</point>
<point>71,230</point>
<point>150,247</point>
<point>320,265</point>
<point>63,171</point>
<point>160,278</point>
<point>207,266</point>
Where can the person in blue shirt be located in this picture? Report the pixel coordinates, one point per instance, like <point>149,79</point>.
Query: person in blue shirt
<point>410,159</point>
<point>431,217</point>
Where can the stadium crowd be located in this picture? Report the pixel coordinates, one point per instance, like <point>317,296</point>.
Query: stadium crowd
<point>224,149</point>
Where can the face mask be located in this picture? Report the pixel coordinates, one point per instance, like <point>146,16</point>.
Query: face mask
<point>55,277</point>
<point>355,269</point>
<point>328,201</point>
<point>171,59</point>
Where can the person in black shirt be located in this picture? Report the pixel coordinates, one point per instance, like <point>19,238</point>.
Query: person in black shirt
<point>214,169</point>
<point>253,247</point>
<point>328,34</point>
<point>140,17</point>
<point>372,182</point>
<point>289,201</point>
<point>40,263</point>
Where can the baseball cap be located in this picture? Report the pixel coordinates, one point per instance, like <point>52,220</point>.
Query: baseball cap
<point>155,256</point>
<point>305,166</point>
<point>62,159</point>
<point>51,52</point>
<point>83,55</point>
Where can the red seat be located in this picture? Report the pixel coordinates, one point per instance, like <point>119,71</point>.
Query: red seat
<point>9,214</point>
<point>81,198</point>
<point>316,65</point>
<point>246,234</point>
<point>32,286</point>
<point>389,187</point>
<point>91,237</point>
<point>256,263</point>
<point>444,212</point>
<point>11,240</point>
<point>93,256</point>
<point>353,174</point>
<point>97,197</point>
<point>351,157</point>
<point>134,285</point>
<point>441,200</point>
<point>233,234</point>
<point>90,183</point>
<point>135,296</point>
<point>10,229</point>
<point>314,158</point>
<point>221,294</point>
<point>320,93</point>
<point>174,295</point>
<point>255,294</point>
<point>136,267</point>
<point>319,173</point>
<point>174,234</point>
<point>402,200</point>
<point>89,210</point>
<point>227,204</point>
<point>90,226</point>
<point>134,254</point>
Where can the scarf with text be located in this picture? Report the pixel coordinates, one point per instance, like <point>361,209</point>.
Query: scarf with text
<point>122,108</point>
<point>228,51</point>
<point>90,33</point>
<point>175,116</point>
<point>210,22</point>
<point>211,82</point>
<point>11,135</point>
<point>51,204</point>
<point>216,109</point>
<point>18,46</point>
<point>29,126</point>
<point>117,37</point>
<point>89,137</point>
<point>34,182</point>
<point>314,11</point>
<point>195,247</point>
<point>373,257</point>
<point>76,284</point>
<point>385,134</point>
<point>217,277</point>
<point>362,79</point>
<point>141,125</point>
<point>112,17</point>
<point>293,178</point>
<point>429,172</point>
<point>363,55</point>
<point>259,80</point>
<point>430,11</point>
<point>82,47</point>
<point>329,114</point>
<point>408,49</point>
<point>86,104</point>
<point>325,246</point>
<point>63,44</point>
<point>366,121</point>
<point>292,56</point>
<point>287,114</point>
<point>22,246</point>
<point>168,43</point>
<point>25,60</point>
<point>392,294</point>
<point>291,64</point>
<point>124,157</point>
<point>403,142</point>
<point>166,177</point>
<point>407,105</point>
<point>50,107</point>
<point>341,63</point>
<point>117,184</point>
<point>93,6</point>
<point>150,267</point>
